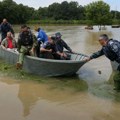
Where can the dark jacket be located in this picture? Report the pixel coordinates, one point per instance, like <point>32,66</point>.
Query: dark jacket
<point>25,39</point>
<point>47,45</point>
<point>111,51</point>
<point>61,45</point>
<point>4,28</point>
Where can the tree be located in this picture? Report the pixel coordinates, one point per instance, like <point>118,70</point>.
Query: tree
<point>99,13</point>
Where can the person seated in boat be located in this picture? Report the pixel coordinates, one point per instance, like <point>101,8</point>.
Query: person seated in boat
<point>41,38</point>
<point>61,44</point>
<point>110,48</point>
<point>9,42</point>
<point>25,43</point>
<point>49,50</point>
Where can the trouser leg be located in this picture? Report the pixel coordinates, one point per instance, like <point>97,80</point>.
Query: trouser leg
<point>118,68</point>
<point>38,49</point>
<point>23,50</point>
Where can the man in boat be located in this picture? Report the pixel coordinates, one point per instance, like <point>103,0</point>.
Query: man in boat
<point>110,48</point>
<point>41,38</point>
<point>61,44</point>
<point>25,43</point>
<point>35,43</point>
<point>4,28</point>
<point>9,42</point>
<point>49,50</point>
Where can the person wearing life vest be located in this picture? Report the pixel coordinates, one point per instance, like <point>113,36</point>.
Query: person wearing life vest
<point>25,43</point>
<point>110,48</point>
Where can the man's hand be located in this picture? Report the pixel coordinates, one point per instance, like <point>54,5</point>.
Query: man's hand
<point>88,59</point>
<point>63,55</point>
<point>50,51</point>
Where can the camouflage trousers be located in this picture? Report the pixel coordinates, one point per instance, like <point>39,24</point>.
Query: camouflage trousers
<point>24,50</point>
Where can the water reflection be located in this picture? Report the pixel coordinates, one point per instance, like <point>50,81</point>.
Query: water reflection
<point>30,92</point>
<point>89,97</point>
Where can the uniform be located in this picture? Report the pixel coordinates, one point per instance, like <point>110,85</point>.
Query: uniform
<point>61,45</point>
<point>111,51</point>
<point>47,45</point>
<point>25,43</point>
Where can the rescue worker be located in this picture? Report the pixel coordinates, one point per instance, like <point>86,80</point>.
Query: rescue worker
<point>49,50</point>
<point>61,44</point>
<point>4,28</point>
<point>41,38</point>
<point>110,48</point>
<point>25,43</point>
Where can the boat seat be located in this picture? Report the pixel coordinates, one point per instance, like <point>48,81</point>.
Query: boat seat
<point>77,57</point>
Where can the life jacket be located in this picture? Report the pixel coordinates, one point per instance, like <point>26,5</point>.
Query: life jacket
<point>109,53</point>
<point>26,39</point>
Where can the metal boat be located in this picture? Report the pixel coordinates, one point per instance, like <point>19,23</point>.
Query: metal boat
<point>46,67</point>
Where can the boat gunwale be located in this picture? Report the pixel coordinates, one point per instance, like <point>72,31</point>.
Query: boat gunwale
<point>50,60</point>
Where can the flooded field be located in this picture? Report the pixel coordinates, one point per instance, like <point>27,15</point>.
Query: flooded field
<point>87,96</point>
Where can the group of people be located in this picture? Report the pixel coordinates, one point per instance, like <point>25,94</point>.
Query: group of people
<point>42,45</point>
<point>51,47</point>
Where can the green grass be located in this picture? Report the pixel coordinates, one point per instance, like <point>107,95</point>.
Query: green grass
<point>60,22</point>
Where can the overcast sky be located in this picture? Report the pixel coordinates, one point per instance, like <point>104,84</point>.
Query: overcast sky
<point>43,3</point>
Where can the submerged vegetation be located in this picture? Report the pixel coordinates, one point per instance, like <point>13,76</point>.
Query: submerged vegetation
<point>72,83</point>
<point>117,81</point>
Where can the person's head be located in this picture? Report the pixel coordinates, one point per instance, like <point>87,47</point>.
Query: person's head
<point>58,35</point>
<point>24,28</point>
<point>9,35</point>
<point>37,29</point>
<point>4,21</point>
<point>51,39</point>
<point>103,39</point>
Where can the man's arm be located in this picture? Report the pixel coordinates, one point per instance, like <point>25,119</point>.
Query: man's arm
<point>3,44</point>
<point>66,46</point>
<point>97,54</point>
<point>40,36</point>
<point>19,42</point>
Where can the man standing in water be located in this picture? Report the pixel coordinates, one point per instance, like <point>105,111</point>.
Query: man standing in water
<point>110,48</point>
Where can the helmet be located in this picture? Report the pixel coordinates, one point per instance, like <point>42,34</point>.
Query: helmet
<point>58,34</point>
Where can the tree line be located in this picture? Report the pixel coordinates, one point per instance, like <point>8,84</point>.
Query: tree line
<point>94,13</point>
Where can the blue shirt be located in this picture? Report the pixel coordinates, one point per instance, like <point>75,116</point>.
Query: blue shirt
<point>42,36</point>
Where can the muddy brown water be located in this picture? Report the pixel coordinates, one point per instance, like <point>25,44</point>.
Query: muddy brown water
<point>32,100</point>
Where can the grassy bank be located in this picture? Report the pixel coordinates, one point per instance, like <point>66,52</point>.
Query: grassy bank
<point>72,83</point>
<point>69,22</point>
<point>60,22</point>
